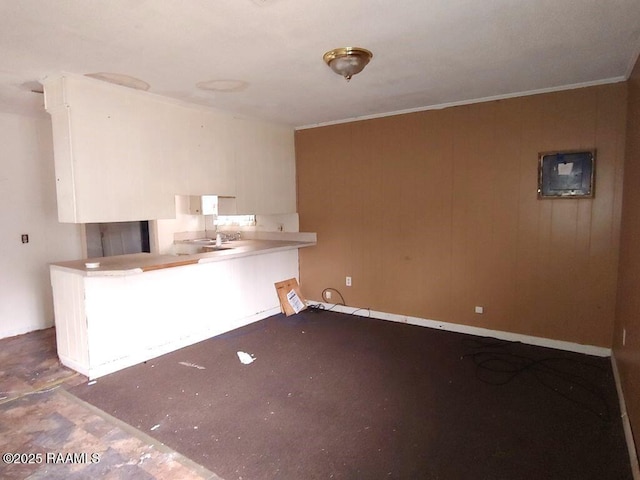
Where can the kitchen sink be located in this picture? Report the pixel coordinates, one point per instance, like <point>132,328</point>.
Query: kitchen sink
<point>213,248</point>
<point>199,245</point>
<point>203,241</point>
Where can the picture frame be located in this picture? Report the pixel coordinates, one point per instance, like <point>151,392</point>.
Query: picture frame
<point>566,174</point>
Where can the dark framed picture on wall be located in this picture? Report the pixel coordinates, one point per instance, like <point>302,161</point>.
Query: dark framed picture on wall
<point>566,174</point>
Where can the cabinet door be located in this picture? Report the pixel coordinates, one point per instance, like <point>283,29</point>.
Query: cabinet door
<point>203,205</point>
<point>210,169</point>
<point>265,166</point>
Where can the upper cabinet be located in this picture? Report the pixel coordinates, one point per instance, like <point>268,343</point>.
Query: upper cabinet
<point>265,168</point>
<point>114,158</point>
<point>122,154</point>
<point>208,166</point>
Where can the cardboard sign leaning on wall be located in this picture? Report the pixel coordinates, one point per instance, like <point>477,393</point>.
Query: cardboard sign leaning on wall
<point>291,300</point>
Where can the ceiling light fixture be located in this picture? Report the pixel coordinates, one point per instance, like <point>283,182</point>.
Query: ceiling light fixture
<point>348,61</point>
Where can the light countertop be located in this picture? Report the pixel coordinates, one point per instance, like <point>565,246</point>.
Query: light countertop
<point>143,262</point>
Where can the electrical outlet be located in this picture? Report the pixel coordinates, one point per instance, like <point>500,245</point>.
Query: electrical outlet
<point>25,238</point>
<point>348,281</point>
<point>327,294</point>
<point>479,309</point>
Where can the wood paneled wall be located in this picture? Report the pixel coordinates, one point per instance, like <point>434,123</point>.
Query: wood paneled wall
<point>435,212</point>
<point>628,307</point>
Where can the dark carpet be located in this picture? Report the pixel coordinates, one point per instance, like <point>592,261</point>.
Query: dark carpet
<point>337,396</point>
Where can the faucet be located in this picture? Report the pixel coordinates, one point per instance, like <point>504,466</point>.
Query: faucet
<point>228,237</point>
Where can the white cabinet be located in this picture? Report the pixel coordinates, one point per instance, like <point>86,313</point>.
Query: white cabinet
<point>210,166</point>
<point>123,155</point>
<point>105,323</point>
<point>265,168</point>
<point>203,205</point>
<point>114,159</point>
<point>212,205</point>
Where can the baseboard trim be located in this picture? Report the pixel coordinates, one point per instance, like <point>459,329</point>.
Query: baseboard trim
<point>628,433</point>
<point>481,332</point>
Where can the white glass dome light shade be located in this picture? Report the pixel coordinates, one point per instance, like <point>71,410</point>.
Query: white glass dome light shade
<point>348,61</point>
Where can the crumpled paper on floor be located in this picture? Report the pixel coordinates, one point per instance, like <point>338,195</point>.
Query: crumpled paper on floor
<point>245,358</point>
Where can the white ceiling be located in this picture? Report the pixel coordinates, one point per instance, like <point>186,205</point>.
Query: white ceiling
<point>427,53</point>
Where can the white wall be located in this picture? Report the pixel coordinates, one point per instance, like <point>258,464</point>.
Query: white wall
<point>28,205</point>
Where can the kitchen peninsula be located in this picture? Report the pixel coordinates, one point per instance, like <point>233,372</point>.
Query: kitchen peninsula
<point>123,310</point>
<point>119,311</point>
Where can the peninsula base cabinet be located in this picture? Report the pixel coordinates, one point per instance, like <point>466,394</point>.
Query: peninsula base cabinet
<point>105,323</point>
